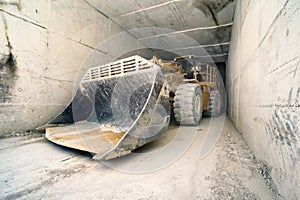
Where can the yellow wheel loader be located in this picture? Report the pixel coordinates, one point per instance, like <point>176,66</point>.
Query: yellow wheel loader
<point>196,89</point>
<point>127,103</point>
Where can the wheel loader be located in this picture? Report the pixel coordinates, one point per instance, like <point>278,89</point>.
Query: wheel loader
<point>127,103</point>
<point>196,89</point>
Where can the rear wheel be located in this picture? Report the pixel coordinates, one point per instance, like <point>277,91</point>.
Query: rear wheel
<point>188,104</point>
<point>215,104</point>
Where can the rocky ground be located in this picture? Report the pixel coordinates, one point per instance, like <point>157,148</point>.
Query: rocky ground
<point>33,168</point>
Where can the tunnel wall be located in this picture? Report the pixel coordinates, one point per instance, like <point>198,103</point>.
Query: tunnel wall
<point>263,85</point>
<point>42,46</point>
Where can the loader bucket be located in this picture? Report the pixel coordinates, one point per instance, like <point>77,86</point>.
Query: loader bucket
<point>118,107</point>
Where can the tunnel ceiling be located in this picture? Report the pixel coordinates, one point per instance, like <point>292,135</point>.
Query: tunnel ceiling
<point>206,21</point>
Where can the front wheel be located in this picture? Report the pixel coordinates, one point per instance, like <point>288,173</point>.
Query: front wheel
<point>188,105</point>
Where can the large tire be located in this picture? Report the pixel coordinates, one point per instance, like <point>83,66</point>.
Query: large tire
<point>188,105</point>
<point>215,104</point>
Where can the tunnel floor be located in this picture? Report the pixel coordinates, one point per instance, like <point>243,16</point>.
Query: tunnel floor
<point>33,168</point>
